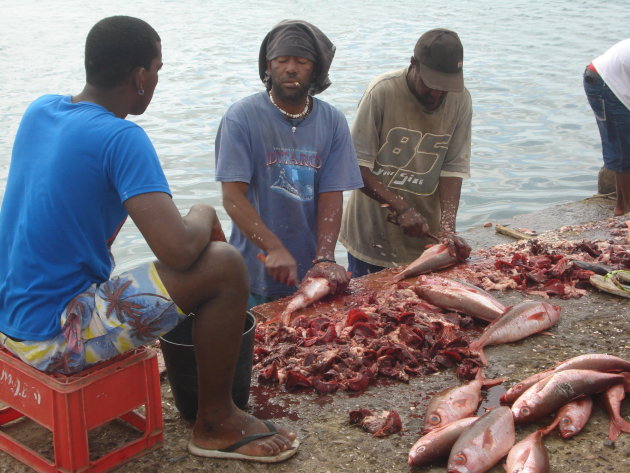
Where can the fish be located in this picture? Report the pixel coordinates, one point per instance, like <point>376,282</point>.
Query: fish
<point>432,259</point>
<point>529,455</point>
<point>611,399</point>
<point>597,268</point>
<point>518,322</point>
<point>459,297</point>
<point>456,402</point>
<point>594,361</point>
<point>438,442</point>
<point>572,417</point>
<point>616,282</point>
<point>557,389</point>
<point>484,443</point>
<point>311,290</point>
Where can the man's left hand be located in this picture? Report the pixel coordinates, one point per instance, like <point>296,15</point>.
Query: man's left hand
<point>337,276</point>
<point>457,246</point>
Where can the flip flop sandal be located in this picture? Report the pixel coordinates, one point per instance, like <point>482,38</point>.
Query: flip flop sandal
<point>229,453</point>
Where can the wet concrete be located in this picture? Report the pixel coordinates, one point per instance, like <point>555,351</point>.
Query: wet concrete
<point>595,323</point>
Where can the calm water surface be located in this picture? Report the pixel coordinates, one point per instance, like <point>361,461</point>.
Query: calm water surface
<point>535,141</point>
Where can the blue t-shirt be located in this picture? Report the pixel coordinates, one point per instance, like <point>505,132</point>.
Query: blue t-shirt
<point>286,169</point>
<point>72,167</point>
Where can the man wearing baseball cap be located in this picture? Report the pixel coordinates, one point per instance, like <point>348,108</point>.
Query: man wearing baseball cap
<point>412,137</point>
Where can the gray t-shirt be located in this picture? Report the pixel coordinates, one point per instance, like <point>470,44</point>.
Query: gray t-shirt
<point>408,149</point>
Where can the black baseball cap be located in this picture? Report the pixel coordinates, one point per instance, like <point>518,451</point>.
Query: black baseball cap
<point>440,57</point>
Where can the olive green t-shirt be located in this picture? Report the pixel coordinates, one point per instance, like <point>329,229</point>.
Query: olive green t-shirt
<point>408,149</point>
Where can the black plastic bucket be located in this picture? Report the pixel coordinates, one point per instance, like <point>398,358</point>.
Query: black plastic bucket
<point>181,366</point>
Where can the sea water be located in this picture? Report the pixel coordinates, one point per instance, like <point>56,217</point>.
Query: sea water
<point>534,138</point>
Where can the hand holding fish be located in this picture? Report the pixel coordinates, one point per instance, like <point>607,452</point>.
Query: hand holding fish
<point>457,246</point>
<point>337,276</point>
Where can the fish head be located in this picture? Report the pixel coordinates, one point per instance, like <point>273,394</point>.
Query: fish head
<point>459,463</point>
<point>416,452</point>
<point>567,427</point>
<point>432,421</point>
<point>513,393</point>
<point>523,410</point>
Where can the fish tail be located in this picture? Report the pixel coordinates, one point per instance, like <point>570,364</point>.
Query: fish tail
<point>617,426</point>
<point>477,348</point>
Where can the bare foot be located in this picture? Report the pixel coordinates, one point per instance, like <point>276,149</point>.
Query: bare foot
<point>239,424</point>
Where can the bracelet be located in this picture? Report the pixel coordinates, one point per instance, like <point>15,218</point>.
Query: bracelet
<point>324,260</point>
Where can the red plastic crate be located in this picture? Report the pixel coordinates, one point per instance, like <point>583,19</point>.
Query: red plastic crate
<point>70,406</point>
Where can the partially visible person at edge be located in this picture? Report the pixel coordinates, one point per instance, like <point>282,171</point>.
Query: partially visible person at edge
<point>412,138</point>
<point>607,87</point>
<point>284,159</point>
<point>78,170</point>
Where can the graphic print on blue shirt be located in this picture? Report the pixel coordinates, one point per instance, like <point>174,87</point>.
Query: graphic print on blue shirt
<point>296,172</point>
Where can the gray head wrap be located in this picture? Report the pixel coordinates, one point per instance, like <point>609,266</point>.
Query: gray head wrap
<point>298,38</point>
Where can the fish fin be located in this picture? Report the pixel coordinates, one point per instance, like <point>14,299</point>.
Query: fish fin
<point>477,348</point>
<point>616,427</point>
<point>523,457</point>
<point>613,430</point>
<point>552,426</point>
<point>549,334</point>
<point>488,439</point>
<point>460,402</point>
<point>488,383</point>
<point>538,315</point>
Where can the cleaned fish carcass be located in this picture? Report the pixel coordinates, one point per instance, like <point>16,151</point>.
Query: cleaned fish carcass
<point>459,297</point>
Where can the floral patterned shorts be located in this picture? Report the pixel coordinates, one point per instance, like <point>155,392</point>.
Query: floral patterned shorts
<point>108,319</point>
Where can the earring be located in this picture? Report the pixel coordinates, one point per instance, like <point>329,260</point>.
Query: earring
<point>140,91</point>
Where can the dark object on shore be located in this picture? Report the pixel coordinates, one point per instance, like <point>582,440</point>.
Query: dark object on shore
<point>181,366</point>
<point>606,181</point>
<point>597,268</point>
<point>517,235</point>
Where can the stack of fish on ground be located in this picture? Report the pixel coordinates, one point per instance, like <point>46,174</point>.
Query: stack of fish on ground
<point>475,444</point>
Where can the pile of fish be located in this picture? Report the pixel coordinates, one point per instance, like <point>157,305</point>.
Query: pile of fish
<point>475,444</point>
<point>401,330</point>
<point>543,268</point>
<point>390,332</point>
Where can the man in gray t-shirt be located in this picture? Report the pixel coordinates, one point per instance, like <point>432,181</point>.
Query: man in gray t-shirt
<point>412,139</point>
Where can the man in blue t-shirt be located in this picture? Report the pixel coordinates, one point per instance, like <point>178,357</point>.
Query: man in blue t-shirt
<point>284,159</point>
<point>78,169</point>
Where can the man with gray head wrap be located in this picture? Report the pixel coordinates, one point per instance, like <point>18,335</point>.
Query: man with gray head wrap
<point>284,159</point>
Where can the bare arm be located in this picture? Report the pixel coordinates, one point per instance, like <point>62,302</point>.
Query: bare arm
<point>279,262</point>
<point>450,189</point>
<point>411,221</point>
<point>329,210</point>
<point>176,241</point>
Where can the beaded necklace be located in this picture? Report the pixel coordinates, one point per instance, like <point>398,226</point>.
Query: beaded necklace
<point>294,116</point>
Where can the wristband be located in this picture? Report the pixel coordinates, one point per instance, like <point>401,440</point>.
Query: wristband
<point>324,260</point>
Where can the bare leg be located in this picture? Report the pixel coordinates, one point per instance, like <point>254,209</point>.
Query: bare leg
<point>216,289</point>
<point>623,193</point>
